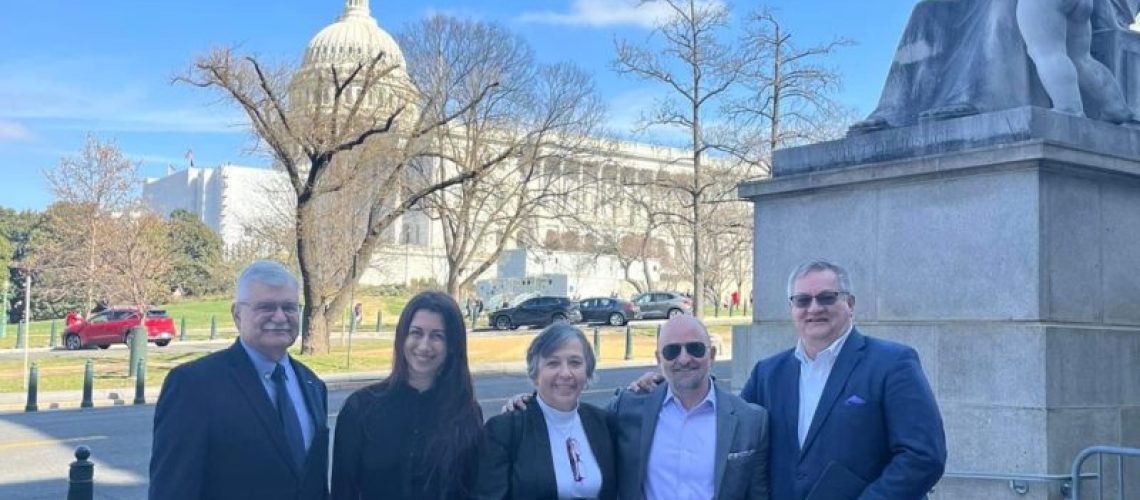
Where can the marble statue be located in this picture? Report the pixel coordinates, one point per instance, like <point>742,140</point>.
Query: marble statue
<point>1058,38</point>
<point>963,57</point>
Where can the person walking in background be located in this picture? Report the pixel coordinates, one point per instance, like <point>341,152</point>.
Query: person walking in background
<point>414,435</point>
<point>248,422</point>
<point>558,447</point>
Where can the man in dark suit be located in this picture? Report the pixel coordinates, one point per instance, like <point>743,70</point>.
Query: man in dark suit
<point>688,438</point>
<point>248,422</point>
<point>851,416</point>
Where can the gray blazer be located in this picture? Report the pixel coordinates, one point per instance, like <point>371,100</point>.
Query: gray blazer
<point>741,470</point>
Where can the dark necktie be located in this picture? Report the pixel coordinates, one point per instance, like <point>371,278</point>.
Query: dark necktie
<point>289,419</point>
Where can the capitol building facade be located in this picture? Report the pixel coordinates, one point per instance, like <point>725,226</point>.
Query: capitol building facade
<point>237,201</point>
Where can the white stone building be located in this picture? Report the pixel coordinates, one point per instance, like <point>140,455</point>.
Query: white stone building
<point>232,200</point>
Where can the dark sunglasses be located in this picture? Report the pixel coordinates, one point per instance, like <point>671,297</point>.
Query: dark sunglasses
<point>803,300</point>
<point>695,349</point>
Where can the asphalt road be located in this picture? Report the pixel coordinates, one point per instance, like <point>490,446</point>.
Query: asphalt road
<point>35,449</point>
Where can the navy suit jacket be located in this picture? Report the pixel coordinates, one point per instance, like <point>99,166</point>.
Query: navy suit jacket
<point>877,418</point>
<point>218,436</point>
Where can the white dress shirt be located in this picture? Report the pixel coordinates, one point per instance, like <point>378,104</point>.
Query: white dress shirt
<point>561,425</point>
<point>681,458</point>
<point>813,378</point>
<point>264,367</point>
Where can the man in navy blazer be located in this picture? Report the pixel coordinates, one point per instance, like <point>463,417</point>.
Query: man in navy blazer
<point>248,422</point>
<point>851,416</point>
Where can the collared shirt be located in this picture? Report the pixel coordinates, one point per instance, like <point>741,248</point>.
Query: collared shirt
<point>561,426</point>
<point>813,378</point>
<point>264,367</point>
<point>682,457</point>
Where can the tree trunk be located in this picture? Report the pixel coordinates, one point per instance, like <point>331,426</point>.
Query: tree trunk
<point>314,329</point>
<point>314,321</point>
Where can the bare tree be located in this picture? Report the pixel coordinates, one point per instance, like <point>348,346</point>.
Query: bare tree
<point>138,265</point>
<point>92,192</point>
<point>342,130</point>
<point>534,123</point>
<point>789,96</point>
<point>699,69</point>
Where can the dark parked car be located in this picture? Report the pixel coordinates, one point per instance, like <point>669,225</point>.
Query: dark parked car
<point>657,305</point>
<point>616,312</point>
<point>113,325</point>
<point>536,311</point>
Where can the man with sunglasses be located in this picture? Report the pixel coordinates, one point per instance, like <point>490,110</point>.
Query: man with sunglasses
<point>851,416</point>
<point>247,422</point>
<point>688,439</point>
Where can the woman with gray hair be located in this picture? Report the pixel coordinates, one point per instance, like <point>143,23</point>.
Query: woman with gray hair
<point>560,447</point>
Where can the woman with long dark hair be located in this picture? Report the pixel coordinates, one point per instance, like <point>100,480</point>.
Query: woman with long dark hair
<point>414,435</point>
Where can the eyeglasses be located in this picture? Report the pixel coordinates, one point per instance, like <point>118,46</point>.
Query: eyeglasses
<point>803,300</point>
<point>575,459</point>
<point>695,349</point>
<point>272,307</point>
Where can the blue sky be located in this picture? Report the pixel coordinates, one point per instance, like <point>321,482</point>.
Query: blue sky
<point>73,67</point>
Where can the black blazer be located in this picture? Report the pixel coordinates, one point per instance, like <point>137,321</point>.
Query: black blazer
<point>515,460</point>
<point>217,435</point>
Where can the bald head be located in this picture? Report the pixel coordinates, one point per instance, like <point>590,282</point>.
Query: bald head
<point>682,328</point>
<point>685,357</point>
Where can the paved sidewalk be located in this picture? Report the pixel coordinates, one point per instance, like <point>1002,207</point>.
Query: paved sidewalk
<point>13,402</point>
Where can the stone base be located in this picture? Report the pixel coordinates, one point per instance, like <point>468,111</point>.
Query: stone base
<point>1010,262</point>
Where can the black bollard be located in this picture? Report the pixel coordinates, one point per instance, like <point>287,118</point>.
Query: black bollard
<point>379,320</point>
<point>54,336</point>
<point>140,383</point>
<point>81,477</point>
<point>182,331</point>
<point>88,384</point>
<point>628,342</point>
<point>33,388</point>
<point>597,344</point>
<point>213,327</point>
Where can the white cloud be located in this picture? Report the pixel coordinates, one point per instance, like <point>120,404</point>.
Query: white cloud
<point>65,93</point>
<point>12,131</point>
<point>596,13</point>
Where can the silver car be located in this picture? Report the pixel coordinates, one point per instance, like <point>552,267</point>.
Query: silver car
<point>660,305</point>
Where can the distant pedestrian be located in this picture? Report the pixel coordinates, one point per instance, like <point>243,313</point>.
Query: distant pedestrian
<point>357,314</point>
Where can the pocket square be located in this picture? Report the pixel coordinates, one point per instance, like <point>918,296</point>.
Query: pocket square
<point>855,400</point>
<point>741,454</point>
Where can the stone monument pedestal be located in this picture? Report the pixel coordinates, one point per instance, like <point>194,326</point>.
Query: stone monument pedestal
<point>1004,247</point>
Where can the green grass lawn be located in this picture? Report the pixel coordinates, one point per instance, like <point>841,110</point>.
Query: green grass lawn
<point>65,373</point>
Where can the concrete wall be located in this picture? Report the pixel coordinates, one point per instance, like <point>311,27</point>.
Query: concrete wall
<point>1012,269</point>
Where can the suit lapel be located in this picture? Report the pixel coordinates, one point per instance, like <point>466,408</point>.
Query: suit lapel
<point>313,400</point>
<point>725,431</point>
<point>543,466</point>
<point>848,359</point>
<point>249,383</point>
<point>600,444</point>
<point>785,398</point>
<point>648,426</point>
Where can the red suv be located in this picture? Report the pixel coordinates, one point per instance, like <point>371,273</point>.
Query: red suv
<point>113,325</point>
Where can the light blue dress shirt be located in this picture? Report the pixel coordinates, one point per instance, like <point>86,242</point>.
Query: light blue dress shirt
<point>681,458</point>
<point>264,367</point>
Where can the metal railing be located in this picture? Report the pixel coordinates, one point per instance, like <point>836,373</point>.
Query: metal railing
<point>1100,451</point>
<point>1020,483</point>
